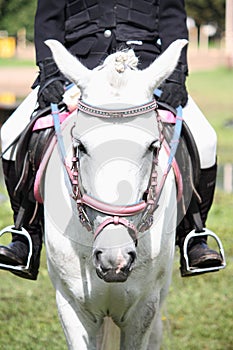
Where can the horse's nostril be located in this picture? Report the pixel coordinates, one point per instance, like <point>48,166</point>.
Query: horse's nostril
<point>132,255</point>
<point>97,254</point>
<point>129,266</point>
<point>104,269</point>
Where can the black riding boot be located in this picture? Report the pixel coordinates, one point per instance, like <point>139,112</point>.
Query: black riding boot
<point>16,253</point>
<point>199,254</point>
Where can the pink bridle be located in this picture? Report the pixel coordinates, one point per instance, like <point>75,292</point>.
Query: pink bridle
<point>117,214</point>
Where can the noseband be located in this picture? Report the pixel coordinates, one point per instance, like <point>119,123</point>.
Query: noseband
<point>117,214</point>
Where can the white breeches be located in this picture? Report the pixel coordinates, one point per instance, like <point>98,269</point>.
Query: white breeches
<point>202,131</point>
<point>16,123</point>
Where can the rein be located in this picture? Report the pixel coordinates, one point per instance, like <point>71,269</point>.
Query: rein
<point>118,213</point>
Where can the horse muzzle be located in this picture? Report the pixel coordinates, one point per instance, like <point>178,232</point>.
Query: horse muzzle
<point>112,276</point>
<point>114,264</point>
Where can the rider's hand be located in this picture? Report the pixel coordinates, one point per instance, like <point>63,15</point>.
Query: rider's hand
<point>52,83</point>
<point>174,90</point>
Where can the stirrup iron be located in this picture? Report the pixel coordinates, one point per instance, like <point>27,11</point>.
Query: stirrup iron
<point>23,232</point>
<point>199,270</point>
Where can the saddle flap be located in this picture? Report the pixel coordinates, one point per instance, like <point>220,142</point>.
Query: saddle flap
<point>187,159</point>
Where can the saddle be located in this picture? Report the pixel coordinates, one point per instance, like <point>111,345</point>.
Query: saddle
<point>187,159</point>
<point>31,147</point>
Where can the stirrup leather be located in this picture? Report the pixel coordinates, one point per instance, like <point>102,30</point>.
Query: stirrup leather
<point>23,232</point>
<point>197,270</point>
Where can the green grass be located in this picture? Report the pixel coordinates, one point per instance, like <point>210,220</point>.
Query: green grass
<point>15,62</point>
<point>214,92</point>
<point>199,310</point>
<point>198,314</point>
<point>29,319</point>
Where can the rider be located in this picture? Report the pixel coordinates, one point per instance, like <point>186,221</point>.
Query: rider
<point>91,31</point>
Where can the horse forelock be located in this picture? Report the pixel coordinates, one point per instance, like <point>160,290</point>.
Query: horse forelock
<point>117,66</point>
<point>125,60</point>
<point>120,61</point>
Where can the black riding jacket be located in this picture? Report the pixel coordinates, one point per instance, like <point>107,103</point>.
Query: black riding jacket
<point>87,27</point>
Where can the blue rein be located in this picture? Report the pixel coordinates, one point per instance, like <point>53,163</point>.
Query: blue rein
<point>177,131</point>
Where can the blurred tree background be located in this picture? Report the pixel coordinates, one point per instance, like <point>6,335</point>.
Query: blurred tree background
<point>207,12</point>
<point>16,14</point>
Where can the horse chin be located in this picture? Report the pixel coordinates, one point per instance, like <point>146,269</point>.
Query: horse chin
<point>112,275</point>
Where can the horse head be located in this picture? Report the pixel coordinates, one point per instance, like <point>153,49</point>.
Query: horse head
<point>118,139</point>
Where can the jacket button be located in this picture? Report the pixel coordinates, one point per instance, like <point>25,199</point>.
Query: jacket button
<point>107,33</point>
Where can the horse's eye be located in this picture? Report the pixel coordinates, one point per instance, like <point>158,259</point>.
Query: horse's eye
<point>154,145</point>
<point>82,148</point>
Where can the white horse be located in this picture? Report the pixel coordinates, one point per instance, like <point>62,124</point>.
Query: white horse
<point>121,165</point>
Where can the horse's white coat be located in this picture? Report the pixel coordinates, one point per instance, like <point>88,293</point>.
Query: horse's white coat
<point>84,299</point>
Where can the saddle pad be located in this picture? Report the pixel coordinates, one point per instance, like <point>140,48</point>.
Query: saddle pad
<point>47,121</point>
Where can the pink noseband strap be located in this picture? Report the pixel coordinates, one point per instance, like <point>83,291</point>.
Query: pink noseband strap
<point>121,210</point>
<point>116,220</point>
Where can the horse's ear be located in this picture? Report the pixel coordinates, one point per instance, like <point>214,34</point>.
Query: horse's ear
<point>164,65</point>
<point>68,64</point>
